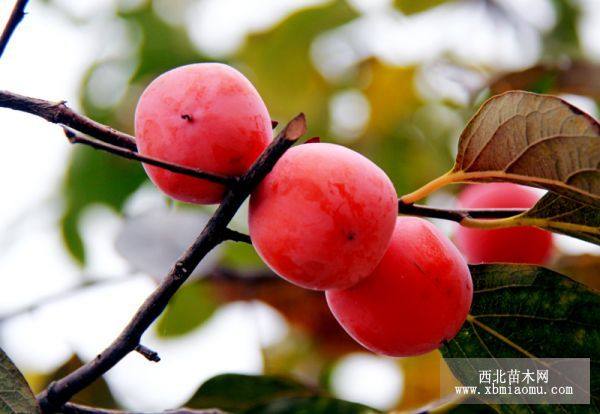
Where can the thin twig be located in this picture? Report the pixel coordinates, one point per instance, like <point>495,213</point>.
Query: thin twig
<point>61,391</point>
<point>236,236</point>
<point>70,408</point>
<point>147,353</point>
<point>60,113</point>
<point>457,215</point>
<point>17,14</point>
<point>75,138</point>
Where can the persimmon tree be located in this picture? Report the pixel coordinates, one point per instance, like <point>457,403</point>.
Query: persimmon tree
<point>518,137</point>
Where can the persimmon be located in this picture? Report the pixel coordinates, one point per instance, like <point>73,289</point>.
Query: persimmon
<point>206,116</point>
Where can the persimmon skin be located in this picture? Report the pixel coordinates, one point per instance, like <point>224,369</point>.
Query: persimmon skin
<point>206,116</point>
<point>418,296</point>
<point>508,245</point>
<point>323,217</point>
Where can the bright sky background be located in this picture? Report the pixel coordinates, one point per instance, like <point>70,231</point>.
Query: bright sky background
<point>46,58</point>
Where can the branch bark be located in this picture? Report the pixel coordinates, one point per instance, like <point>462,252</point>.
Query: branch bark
<point>60,113</point>
<point>104,138</point>
<point>59,392</point>
<point>236,236</point>
<point>75,138</point>
<point>147,353</point>
<point>17,14</point>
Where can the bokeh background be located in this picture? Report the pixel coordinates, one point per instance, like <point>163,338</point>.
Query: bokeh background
<point>84,237</point>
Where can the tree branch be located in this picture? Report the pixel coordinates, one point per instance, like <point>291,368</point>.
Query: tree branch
<point>60,113</point>
<point>236,236</point>
<point>75,138</point>
<point>147,353</point>
<point>70,408</point>
<point>457,215</point>
<point>59,392</point>
<point>17,14</point>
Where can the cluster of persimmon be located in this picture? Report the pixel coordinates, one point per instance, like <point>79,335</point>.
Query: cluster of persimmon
<point>324,218</point>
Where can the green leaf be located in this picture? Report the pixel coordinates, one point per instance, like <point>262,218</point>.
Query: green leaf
<point>15,395</point>
<point>311,405</point>
<point>417,6</point>
<point>193,305</point>
<point>234,392</point>
<point>521,311</point>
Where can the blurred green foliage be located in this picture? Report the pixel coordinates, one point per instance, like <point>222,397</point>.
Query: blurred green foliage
<point>312,405</point>
<point>564,39</point>
<point>416,6</point>
<point>162,46</point>
<point>95,177</point>
<point>193,304</point>
<point>268,395</point>
<point>278,62</point>
<point>250,391</point>
<point>241,256</point>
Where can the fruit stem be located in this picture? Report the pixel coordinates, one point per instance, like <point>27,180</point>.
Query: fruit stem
<point>430,187</point>
<point>489,224</point>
